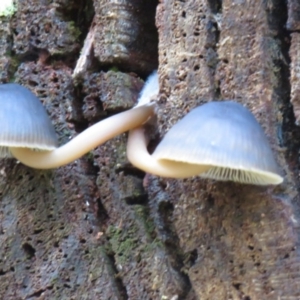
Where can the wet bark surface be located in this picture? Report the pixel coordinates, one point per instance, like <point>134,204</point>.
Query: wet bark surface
<point>101,229</point>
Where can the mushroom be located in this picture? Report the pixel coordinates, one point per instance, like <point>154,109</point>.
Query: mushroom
<point>137,152</point>
<point>218,140</point>
<point>27,134</point>
<point>150,90</point>
<point>23,121</point>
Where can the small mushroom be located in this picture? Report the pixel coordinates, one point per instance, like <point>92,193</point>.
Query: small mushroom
<point>27,133</point>
<point>137,152</point>
<point>218,140</point>
<point>23,121</point>
<point>150,89</point>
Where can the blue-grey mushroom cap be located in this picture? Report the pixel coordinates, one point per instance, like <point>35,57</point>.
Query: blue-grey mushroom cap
<point>23,121</point>
<point>225,136</point>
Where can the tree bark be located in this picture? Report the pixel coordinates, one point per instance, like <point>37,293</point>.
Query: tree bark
<point>101,229</point>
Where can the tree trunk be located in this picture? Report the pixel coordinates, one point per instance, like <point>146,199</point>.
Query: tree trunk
<point>101,229</point>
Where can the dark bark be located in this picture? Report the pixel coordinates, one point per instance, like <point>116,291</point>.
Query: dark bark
<point>100,229</point>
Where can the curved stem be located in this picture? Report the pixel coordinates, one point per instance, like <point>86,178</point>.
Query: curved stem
<point>139,156</point>
<point>85,141</point>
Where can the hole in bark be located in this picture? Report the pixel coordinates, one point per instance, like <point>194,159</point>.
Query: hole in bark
<point>32,208</point>
<point>29,249</point>
<point>100,211</point>
<point>37,231</point>
<point>165,207</point>
<point>36,294</point>
<point>32,83</point>
<point>193,257</point>
<point>183,14</point>
<point>210,201</point>
<point>237,286</point>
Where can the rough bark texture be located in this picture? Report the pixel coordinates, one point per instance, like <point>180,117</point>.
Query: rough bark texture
<point>100,229</point>
<point>125,34</point>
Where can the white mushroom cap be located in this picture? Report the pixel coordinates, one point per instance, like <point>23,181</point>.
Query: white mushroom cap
<point>150,90</point>
<point>24,122</point>
<point>226,137</point>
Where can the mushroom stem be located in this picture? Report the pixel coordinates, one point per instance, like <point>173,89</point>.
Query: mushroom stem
<point>85,141</point>
<point>139,156</point>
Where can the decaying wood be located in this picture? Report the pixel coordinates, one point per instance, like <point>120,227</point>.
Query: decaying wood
<point>100,229</point>
<point>293,21</point>
<point>295,74</point>
<point>243,240</point>
<point>125,34</point>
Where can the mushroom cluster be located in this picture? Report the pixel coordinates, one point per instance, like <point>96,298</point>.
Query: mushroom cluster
<point>220,140</point>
